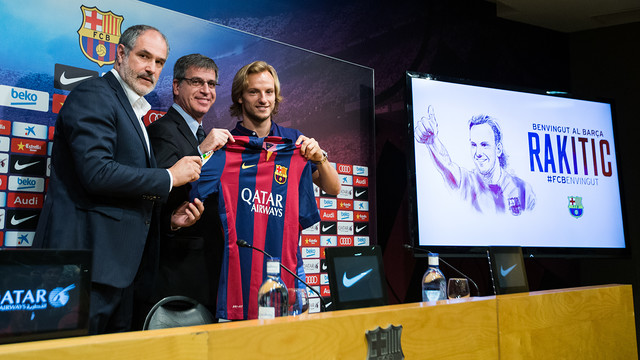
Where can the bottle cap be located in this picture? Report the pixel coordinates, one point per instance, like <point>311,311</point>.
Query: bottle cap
<point>433,259</point>
<point>273,266</point>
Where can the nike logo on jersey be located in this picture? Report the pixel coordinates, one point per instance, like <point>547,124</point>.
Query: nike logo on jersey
<point>245,166</point>
<point>68,81</point>
<point>506,272</point>
<point>19,166</point>
<point>350,282</point>
<point>15,221</point>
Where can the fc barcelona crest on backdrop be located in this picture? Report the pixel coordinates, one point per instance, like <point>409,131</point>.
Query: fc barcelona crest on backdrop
<point>99,35</point>
<point>575,206</point>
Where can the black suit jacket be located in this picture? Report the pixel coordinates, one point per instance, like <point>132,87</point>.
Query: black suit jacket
<point>190,257</point>
<point>103,182</point>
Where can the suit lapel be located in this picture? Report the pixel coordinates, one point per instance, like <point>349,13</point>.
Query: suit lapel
<point>183,128</point>
<point>122,97</point>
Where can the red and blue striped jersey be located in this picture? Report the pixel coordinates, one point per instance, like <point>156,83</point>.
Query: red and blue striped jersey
<point>265,197</point>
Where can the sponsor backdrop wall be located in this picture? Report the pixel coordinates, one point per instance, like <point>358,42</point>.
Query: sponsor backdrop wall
<point>48,48</point>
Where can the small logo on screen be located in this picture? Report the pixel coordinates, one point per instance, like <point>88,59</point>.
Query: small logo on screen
<point>59,297</point>
<point>575,206</point>
<point>504,272</point>
<point>349,282</point>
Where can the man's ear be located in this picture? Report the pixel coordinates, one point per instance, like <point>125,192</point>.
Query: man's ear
<point>120,54</point>
<point>176,83</point>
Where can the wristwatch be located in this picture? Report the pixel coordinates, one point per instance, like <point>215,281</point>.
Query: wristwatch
<point>325,157</point>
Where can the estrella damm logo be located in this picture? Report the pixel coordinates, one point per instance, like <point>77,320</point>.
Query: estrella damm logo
<point>280,175</point>
<point>575,206</point>
<point>99,35</point>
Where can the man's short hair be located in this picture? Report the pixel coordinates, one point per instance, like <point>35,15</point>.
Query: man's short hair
<point>241,81</point>
<point>497,133</point>
<point>196,61</point>
<point>131,35</point>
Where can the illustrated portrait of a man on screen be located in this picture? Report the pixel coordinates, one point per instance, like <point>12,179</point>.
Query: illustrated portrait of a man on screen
<point>490,187</point>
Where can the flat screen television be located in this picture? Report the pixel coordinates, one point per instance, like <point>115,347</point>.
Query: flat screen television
<point>497,166</point>
<point>44,294</point>
<point>356,277</point>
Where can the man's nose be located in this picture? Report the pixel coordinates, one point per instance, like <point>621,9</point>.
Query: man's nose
<point>151,67</point>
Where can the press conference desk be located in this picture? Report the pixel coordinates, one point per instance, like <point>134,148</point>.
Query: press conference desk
<point>581,323</point>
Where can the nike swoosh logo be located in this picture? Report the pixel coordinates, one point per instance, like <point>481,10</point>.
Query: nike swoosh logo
<point>360,193</point>
<point>506,272</point>
<point>244,166</point>
<point>68,81</point>
<point>358,229</point>
<point>327,228</point>
<point>15,221</point>
<point>349,282</point>
<point>19,166</point>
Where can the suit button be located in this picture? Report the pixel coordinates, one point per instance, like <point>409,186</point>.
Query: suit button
<point>147,222</point>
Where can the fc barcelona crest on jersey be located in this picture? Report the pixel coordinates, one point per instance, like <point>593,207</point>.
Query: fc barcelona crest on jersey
<point>99,35</point>
<point>280,175</point>
<point>575,206</point>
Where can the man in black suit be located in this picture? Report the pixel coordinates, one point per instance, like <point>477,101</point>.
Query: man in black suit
<point>104,181</point>
<point>190,257</point>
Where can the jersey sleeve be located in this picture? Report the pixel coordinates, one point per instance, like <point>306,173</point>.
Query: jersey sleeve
<point>209,181</point>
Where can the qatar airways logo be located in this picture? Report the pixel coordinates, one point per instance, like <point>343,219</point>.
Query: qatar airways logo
<point>38,299</point>
<point>263,202</point>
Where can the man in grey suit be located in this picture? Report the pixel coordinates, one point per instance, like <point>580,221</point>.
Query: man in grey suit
<point>190,257</point>
<point>104,180</point>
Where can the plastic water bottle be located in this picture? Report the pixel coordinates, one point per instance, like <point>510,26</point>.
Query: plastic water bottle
<point>273,297</point>
<point>434,285</point>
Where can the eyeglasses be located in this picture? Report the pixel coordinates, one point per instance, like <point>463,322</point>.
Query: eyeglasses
<point>198,82</point>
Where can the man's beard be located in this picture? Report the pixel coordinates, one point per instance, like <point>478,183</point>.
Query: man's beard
<point>131,76</point>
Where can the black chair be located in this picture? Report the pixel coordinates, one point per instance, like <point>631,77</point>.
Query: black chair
<point>176,311</point>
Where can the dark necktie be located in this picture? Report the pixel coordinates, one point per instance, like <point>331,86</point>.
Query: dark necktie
<point>200,134</point>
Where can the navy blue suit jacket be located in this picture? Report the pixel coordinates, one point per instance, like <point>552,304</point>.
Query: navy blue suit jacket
<point>103,182</point>
<point>190,257</point>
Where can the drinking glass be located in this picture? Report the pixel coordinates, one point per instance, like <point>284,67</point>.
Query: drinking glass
<point>458,288</point>
<point>298,301</point>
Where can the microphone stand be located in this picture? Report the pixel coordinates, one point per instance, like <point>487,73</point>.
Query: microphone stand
<point>409,247</point>
<point>245,244</point>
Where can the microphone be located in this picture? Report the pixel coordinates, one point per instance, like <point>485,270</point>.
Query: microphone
<point>409,247</point>
<point>245,244</point>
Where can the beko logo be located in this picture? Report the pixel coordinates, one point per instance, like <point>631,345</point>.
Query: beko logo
<point>360,170</point>
<point>23,183</point>
<point>328,203</point>
<point>24,98</point>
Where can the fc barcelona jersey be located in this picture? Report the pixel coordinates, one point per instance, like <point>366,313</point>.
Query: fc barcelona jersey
<point>265,195</point>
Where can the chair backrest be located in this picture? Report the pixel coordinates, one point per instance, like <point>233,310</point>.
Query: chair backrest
<point>176,311</point>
